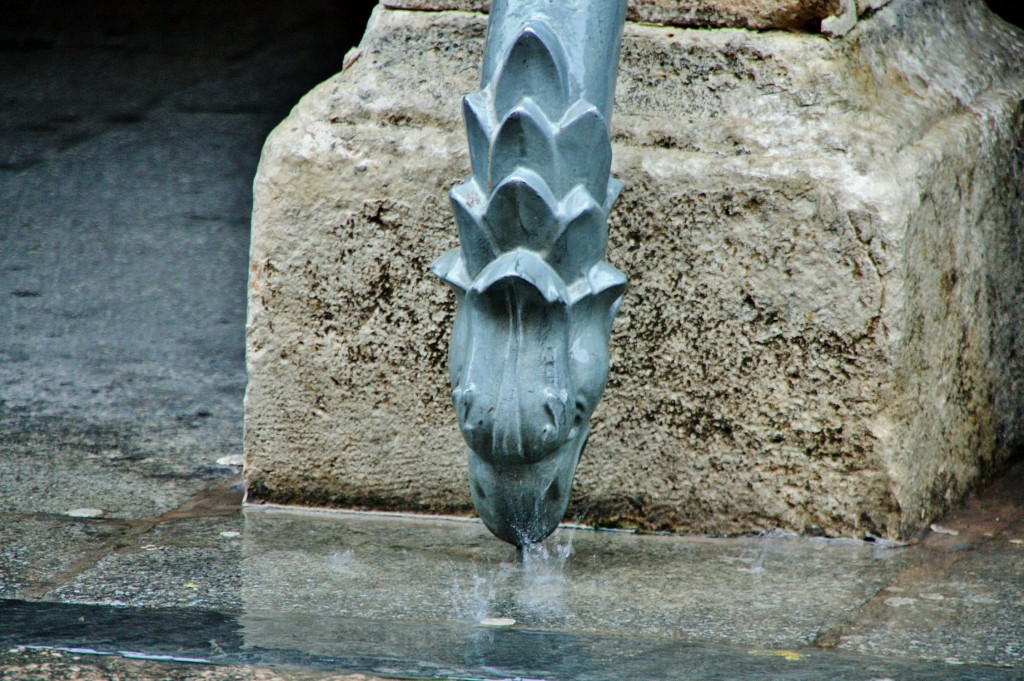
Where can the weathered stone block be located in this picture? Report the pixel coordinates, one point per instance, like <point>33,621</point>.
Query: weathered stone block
<point>824,239</point>
<point>829,16</point>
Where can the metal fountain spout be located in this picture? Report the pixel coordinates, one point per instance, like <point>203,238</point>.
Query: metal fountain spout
<point>529,349</point>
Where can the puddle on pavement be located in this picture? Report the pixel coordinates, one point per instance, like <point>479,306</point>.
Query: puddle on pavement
<point>778,592</point>
<point>423,598</point>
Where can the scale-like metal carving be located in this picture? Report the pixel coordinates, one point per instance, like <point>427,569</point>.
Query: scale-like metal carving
<point>529,349</point>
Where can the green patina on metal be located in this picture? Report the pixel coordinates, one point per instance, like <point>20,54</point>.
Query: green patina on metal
<point>529,350</point>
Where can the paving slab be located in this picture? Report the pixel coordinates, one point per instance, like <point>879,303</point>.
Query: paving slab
<point>49,111</point>
<point>229,30</point>
<point>35,551</point>
<point>964,599</point>
<point>122,273</point>
<point>415,650</point>
<point>129,136</point>
<point>420,597</point>
<point>772,591</point>
<point>19,664</point>
<point>73,73</point>
<point>55,465</point>
<point>971,611</point>
<point>183,563</point>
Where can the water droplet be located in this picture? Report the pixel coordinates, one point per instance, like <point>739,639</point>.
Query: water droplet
<point>497,621</point>
<point>899,602</point>
<point>86,512</point>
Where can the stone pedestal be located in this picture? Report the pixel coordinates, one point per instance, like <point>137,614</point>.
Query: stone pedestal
<point>832,17</point>
<point>825,243</point>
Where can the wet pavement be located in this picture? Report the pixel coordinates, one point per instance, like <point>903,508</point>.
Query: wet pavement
<point>22,664</point>
<point>128,141</point>
<point>223,588</point>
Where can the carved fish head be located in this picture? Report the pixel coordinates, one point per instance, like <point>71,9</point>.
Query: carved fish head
<point>511,384</point>
<point>522,504</point>
<point>528,362</point>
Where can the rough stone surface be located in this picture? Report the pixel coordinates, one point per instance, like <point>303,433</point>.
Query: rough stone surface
<point>970,578</point>
<point>19,664</point>
<point>823,239</point>
<point>35,552</point>
<point>185,563</point>
<point>753,14</point>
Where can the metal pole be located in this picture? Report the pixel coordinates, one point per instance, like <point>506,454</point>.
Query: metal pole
<point>529,350</point>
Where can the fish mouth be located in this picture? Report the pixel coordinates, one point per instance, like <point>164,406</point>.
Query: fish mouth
<point>523,502</point>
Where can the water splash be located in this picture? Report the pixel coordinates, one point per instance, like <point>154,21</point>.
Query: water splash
<point>341,561</point>
<point>542,584</point>
<point>531,590</point>
<point>546,560</point>
<point>758,565</point>
<point>474,599</point>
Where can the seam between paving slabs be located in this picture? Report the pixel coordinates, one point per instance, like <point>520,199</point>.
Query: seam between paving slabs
<point>223,499</point>
<point>934,563</point>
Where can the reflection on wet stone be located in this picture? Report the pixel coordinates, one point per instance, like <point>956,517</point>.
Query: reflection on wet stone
<point>726,591</point>
<point>431,598</point>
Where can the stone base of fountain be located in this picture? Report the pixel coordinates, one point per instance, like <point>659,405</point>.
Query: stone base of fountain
<point>824,238</point>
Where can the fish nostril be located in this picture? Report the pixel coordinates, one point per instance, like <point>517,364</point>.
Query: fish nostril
<point>556,405</point>
<point>549,434</point>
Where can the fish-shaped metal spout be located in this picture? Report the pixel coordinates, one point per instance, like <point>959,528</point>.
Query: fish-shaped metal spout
<point>529,350</point>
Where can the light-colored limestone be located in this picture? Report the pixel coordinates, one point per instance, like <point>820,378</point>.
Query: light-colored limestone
<point>824,240</point>
<point>833,17</point>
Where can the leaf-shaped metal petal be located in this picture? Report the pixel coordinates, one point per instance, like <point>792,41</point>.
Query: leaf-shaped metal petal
<point>451,269</point>
<point>468,203</point>
<point>521,213</point>
<point>535,65</point>
<point>528,266</point>
<point>606,283</point>
<point>524,140</point>
<point>584,152</point>
<point>476,112</point>
<point>596,300</point>
<point>612,195</point>
<point>583,237</point>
